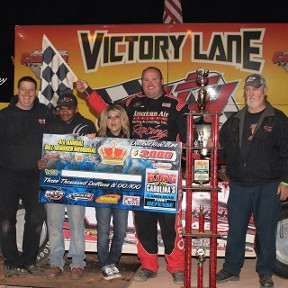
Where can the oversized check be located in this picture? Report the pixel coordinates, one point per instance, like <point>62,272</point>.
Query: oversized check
<point>111,172</point>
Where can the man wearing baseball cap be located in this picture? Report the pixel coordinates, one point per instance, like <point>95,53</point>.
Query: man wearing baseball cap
<point>255,80</point>
<point>67,121</point>
<point>255,148</point>
<point>67,100</point>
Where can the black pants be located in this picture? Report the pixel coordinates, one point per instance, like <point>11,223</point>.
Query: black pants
<point>16,186</point>
<point>146,229</point>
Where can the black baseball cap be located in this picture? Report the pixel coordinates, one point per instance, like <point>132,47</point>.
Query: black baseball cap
<point>67,100</point>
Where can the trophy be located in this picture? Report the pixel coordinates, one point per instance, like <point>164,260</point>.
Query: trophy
<point>202,165</point>
<point>202,79</point>
<point>202,136</point>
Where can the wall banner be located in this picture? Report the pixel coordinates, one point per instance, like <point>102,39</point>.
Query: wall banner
<point>111,172</point>
<point>111,59</point>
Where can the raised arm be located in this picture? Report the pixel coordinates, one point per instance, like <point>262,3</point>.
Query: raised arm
<point>94,100</point>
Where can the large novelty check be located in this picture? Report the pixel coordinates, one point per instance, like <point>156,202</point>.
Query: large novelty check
<point>111,172</point>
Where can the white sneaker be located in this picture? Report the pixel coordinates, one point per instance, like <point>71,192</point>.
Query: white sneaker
<point>110,272</point>
<point>116,271</point>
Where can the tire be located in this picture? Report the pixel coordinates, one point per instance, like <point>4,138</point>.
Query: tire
<point>282,244</point>
<point>44,244</point>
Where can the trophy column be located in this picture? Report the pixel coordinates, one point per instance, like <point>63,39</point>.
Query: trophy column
<point>201,179</point>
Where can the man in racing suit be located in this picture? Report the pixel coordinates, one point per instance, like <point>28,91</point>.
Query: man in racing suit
<point>153,115</point>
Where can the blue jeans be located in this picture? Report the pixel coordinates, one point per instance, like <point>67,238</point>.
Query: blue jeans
<point>108,256</point>
<point>263,202</point>
<point>55,219</point>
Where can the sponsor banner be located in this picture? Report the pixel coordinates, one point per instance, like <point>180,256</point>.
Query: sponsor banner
<point>110,172</point>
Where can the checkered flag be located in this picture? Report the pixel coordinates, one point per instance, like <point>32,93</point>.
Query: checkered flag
<point>56,77</point>
<point>119,93</point>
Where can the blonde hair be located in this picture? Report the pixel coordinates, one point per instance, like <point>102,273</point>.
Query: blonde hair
<point>125,127</point>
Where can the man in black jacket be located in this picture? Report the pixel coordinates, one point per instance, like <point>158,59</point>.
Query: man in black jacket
<point>255,146</point>
<point>22,125</point>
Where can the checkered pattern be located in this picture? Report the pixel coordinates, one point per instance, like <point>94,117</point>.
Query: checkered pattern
<point>56,77</point>
<point>172,12</point>
<point>119,93</point>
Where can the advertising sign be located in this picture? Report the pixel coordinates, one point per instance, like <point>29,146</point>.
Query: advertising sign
<point>111,58</point>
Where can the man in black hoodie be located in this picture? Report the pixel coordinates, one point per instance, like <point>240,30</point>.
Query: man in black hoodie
<point>67,121</point>
<point>22,125</point>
